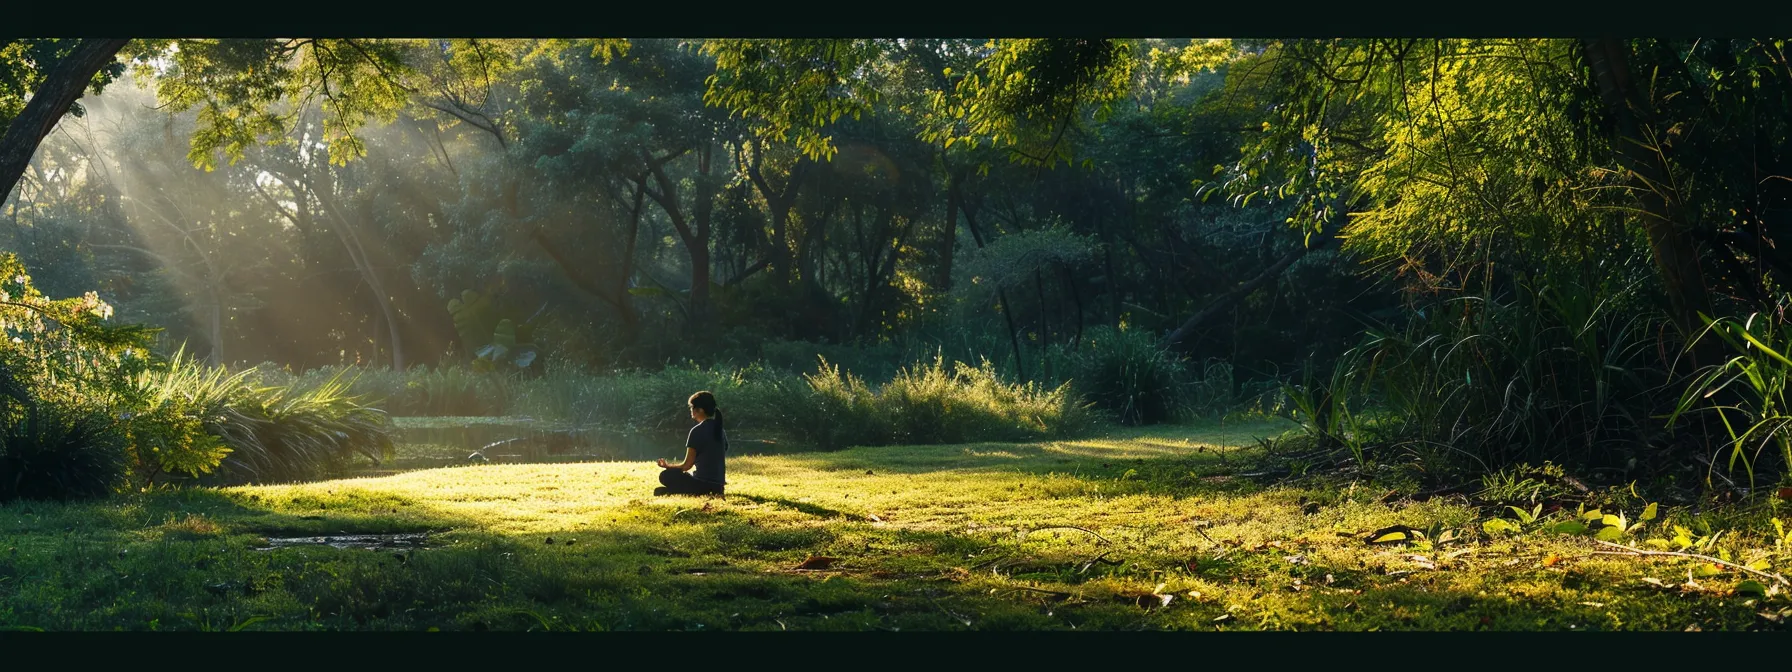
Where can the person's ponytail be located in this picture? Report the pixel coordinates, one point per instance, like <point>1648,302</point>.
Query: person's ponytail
<point>719,425</point>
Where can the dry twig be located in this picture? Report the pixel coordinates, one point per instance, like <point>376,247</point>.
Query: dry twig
<point>1073,527</point>
<point>1776,578</point>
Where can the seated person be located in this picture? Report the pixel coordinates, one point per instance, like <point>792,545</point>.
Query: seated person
<point>705,452</point>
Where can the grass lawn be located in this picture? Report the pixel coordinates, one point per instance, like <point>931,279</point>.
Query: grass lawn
<point>1138,530</point>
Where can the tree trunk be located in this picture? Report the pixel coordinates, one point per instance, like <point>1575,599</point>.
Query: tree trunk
<point>1020,366</point>
<point>779,202</point>
<point>217,328</point>
<point>948,241</point>
<point>357,254</point>
<point>1045,324</point>
<point>1676,252</point>
<point>62,86</point>
<point>700,254</point>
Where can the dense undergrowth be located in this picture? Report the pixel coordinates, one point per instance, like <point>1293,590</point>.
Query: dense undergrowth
<point>87,409</point>
<point>1115,377</point>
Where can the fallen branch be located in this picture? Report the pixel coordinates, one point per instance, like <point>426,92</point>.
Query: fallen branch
<point>1072,527</point>
<point>1099,558</point>
<point>998,559</point>
<point>1776,578</point>
<point>949,612</point>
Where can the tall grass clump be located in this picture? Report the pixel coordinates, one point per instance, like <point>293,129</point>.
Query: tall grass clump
<point>1553,374</point>
<point>1747,393</point>
<point>936,403</point>
<point>53,451</point>
<point>1129,376</point>
<point>221,427</point>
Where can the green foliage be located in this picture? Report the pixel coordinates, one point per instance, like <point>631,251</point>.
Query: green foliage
<point>202,421</point>
<point>243,89</point>
<point>1015,259</point>
<point>934,403</point>
<point>23,63</point>
<point>168,429</point>
<point>62,370</point>
<point>475,318</point>
<point>55,451</point>
<point>289,433</point>
<point>792,90</point>
<point>1557,373</point>
<point>1747,393</point>
<point>1126,373</point>
<point>59,453</point>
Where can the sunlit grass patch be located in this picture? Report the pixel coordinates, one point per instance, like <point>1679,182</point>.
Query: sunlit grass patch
<point>1142,529</point>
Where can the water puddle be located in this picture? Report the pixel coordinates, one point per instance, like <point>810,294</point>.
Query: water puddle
<point>372,542</point>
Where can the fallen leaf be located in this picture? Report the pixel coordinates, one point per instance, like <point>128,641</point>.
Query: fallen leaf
<point>817,562</point>
<point>1394,534</point>
<point>1551,559</point>
<point>1222,618</point>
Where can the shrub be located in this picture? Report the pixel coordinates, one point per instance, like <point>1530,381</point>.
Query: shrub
<point>201,421</point>
<point>171,418</point>
<point>1552,375</point>
<point>55,452</point>
<point>1126,374</point>
<point>286,433</point>
<point>931,403</point>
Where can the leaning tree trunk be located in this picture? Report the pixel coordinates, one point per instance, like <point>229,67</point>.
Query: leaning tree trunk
<point>358,254</point>
<point>1232,296</point>
<point>1675,250</point>
<point>61,87</point>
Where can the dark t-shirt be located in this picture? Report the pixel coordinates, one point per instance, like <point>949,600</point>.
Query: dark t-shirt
<point>711,444</point>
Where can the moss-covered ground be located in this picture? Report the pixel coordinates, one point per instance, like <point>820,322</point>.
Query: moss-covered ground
<point>1159,528</point>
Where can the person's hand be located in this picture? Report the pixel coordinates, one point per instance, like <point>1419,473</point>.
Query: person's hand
<point>661,462</point>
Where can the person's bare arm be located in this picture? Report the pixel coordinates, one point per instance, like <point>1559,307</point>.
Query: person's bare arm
<point>690,460</point>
